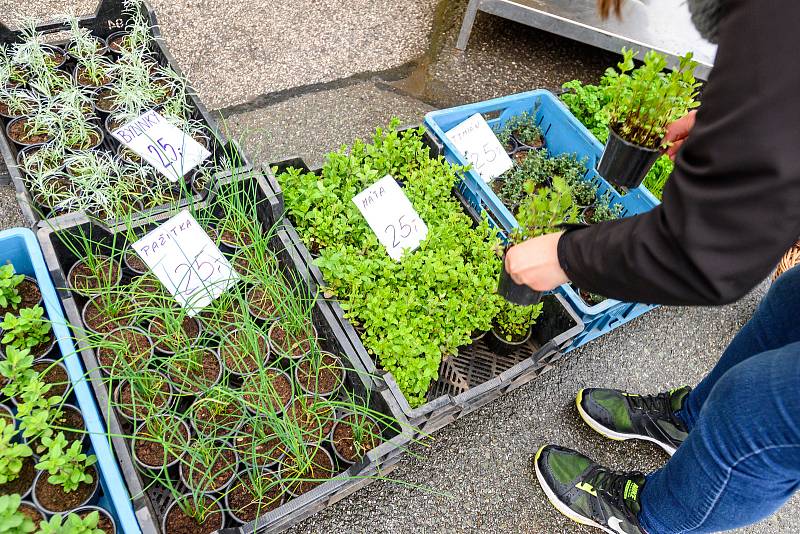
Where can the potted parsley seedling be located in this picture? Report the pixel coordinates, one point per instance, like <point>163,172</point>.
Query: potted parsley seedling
<point>642,103</point>
<point>542,212</point>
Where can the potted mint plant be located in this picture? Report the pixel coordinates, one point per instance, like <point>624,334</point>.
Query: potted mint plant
<point>641,103</point>
<point>542,212</point>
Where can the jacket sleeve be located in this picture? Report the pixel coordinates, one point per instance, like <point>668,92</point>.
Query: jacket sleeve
<point>732,205</point>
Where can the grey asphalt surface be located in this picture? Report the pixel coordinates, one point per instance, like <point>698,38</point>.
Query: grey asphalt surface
<point>260,58</point>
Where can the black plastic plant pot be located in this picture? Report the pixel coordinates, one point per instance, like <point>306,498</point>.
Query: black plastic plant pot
<point>515,293</point>
<point>335,444</point>
<point>502,346</point>
<point>23,484</point>
<point>293,487</point>
<point>625,164</point>
<point>214,518</point>
<point>19,142</point>
<point>156,471</point>
<point>52,506</point>
<point>105,522</point>
<point>312,387</point>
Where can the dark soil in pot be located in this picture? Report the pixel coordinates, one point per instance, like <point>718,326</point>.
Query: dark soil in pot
<point>314,417</point>
<point>244,352</point>
<point>18,131</point>
<point>129,156</point>
<point>321,374</point>
<point>245,503</point>
<point>177,522</point>
<point>258,444</point>
<point>105,100</point>
<point>52,498</point>
<point>29,290</point>
<point>497,186</point>
<point>82,279</point>
<point>104,522</point>
<point>293,346</point>
<point>6,111</point>
<point>234,239</point>
<point>130,345</point>
<point>55,56</point>
<point>29,510</point>
<point>217,417</point>
<point>83,78</point>
<point>319,471</point>
<point>100,320</point>
<point>134,263</point>
<point>194,372</point>
<point>125,397</point>
<point>171,342</point>
<point>53,373</point>
<point>267,392</point>
<point>24,482</point>
<point>153,454</point>
<point>520,156</point>
<point>345,444</point>
<point>588,214</point>
<point>221,315</point>
<point>260,304</point>
<point>209,474</point>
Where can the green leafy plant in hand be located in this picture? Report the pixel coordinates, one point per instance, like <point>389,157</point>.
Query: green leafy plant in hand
<point>512,322</point>
<point>12,453</point>
<point>26,330</point>
<point>544,210</point>
<point>644,100</point>
<point>9,296</point>
<point>73,524</point>
<point>426,305</point>
<point>12,520</point>
<point>67,465</point>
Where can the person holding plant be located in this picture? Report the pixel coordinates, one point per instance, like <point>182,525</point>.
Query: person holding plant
<point>730,209</point>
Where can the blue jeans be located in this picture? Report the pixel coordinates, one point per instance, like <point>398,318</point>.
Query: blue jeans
<point>741,461</point>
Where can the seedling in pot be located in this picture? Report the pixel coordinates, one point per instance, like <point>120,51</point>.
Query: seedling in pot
<point>541,213</point>
<point>66,463</point>
<point>197,513</point>
<point>143,395</point>
<point>193,369</point>
<point>72,524</point>
<point>512,326</point>
<point>172,329</point>
<point>35,128</point>
<point>302,473</point>
<point>12,520</point>
<point>16,103</point>
<point>160,441</point>
<point>604,210</point>
<point>94,272</point>
<point>524,128</point>
<point>124,350</point>
<point>28,330</point>
<point>259,442</point>
<point>252,494</point>
<point>37,412</point>
<point>12,452</point>
<point>17,371</point>
<point>9,282</point>
<point>320,373</point>
<point>266,392</point>
<point>208,465</point>
<point>83,44</point>
<point>217,413</point>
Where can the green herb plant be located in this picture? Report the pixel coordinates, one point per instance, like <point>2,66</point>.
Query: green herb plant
<point>512,322</point>
<point>9,296</point>
<point>544,210</point>
<point>12,452</point>
<point>72,524</point>
<point>66,463</point>
<point>12,520</point>
<point>26,330</point>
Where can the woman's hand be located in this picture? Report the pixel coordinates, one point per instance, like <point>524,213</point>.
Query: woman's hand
<point>535,263</point>
<point>677,132</point>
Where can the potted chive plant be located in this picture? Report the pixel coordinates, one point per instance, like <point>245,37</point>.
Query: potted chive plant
<point>642,102</point>
<point>542,212</point>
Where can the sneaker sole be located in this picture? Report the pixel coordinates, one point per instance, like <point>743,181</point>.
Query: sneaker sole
<point>617,436</point>
<point>562,507</point>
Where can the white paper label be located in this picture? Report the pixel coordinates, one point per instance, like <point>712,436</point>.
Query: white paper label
<point>476,140</point>
<point>391,216</point>
<point>162,145</point>
<point>187,262</point>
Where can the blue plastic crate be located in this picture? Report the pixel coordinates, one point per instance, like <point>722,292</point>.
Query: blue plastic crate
<point>19,246</point>
<point>563,134</point>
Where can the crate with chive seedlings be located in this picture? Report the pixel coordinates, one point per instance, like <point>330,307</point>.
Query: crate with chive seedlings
<point>258,401</point>
<point>60,102</point>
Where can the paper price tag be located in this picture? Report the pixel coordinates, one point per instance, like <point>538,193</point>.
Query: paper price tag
<point>187,262</point>
<point>162,145</point>
<point>391,216</point>
<point>476,140</point>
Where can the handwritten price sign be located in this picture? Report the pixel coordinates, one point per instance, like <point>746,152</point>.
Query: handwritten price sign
<point>162,145</point>
<point>391,216</point>
<point>476,140</point>
<point>187,262</point>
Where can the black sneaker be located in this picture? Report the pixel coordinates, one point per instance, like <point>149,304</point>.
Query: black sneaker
<point>588,493</point>
<point>619,415</point>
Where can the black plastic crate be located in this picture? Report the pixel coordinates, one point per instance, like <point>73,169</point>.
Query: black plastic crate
<point>475,376</point>
<point>110,18</point>
<point>150,504</point>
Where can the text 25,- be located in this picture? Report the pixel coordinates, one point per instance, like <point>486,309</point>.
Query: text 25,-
<point>479,159</point>
<point>401,228</point>
<point>192,276</point>
<point>166,153</point>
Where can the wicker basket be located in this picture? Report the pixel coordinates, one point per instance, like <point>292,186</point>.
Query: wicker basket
<point>791,259</point>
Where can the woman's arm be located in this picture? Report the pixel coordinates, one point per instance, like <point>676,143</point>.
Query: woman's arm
<point>732,205</point>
